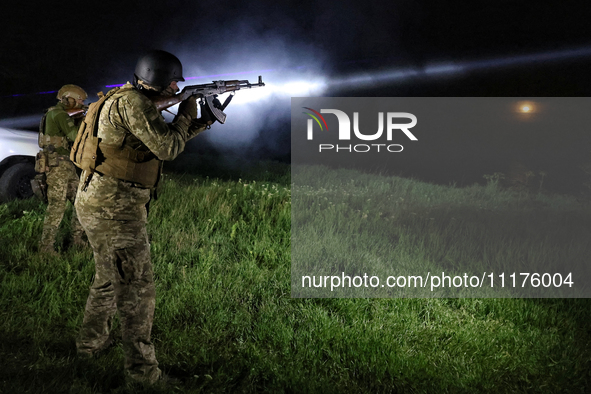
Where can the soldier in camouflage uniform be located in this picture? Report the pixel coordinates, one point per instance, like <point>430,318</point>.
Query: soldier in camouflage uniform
<point>57,132</point>
<point>111,205</point>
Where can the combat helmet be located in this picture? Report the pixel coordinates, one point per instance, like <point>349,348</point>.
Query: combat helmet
<point>158,69</point>
<point>74,91</point>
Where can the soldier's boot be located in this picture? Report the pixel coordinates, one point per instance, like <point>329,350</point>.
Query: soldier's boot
<point>157,379</point>
<point>87,353</point>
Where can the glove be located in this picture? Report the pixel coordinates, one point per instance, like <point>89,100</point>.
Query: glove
<point>188,108</point>
<point>195,128</point>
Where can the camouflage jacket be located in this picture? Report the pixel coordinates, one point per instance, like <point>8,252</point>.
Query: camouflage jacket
<point>129,119</point>
<point>59,124</point>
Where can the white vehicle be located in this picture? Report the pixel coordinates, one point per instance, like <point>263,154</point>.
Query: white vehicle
<point>18,149</point>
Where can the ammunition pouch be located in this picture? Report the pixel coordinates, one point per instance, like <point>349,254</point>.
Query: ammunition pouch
<point>129,165</point>
<point>53,142</point>
<point>84,151</point>
<point>39,186</point>
<point>53,160</point>
<point>46,159</point>
<point>41,162</point>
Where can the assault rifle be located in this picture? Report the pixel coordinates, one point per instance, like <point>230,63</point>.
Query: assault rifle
<point>207,91</point>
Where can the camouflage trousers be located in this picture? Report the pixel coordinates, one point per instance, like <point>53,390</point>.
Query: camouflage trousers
<point>62,183</point>
<point>123,283</point>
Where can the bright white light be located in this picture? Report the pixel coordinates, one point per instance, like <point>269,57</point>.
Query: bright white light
<point>443,69</point>
<point>245,96</point>
<point>302,88</point>
<point>271,90</point>
<point>20,122</point>
<point>435,70</point>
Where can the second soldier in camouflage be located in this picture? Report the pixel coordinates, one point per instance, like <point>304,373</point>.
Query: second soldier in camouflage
<point>57,132</point>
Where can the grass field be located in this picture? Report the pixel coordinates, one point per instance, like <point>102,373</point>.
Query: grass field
<point>348,223</point>
<point>225,321</point>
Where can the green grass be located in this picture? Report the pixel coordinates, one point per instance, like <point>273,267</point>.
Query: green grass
<point>225,321</point>
<point>353,223</point>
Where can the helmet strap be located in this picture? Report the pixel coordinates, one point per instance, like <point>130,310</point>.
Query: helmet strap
<point>147,90</point>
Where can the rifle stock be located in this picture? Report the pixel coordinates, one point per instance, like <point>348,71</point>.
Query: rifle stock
<point>77,112</point>
<point>162,103</point>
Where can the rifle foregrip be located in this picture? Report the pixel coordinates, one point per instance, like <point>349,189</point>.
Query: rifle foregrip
<point>228,99</point>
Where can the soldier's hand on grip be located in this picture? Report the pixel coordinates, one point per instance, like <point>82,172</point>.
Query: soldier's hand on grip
<point>207,118</point>
<point>188,108</point>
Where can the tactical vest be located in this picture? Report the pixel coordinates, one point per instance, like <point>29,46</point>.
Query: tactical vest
<point>45,141</point>
<point>121,162</point>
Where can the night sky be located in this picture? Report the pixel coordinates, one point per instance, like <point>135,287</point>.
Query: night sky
<point>342,48</point>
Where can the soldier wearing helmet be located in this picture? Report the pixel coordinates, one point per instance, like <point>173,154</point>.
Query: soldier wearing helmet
<point>72,96</point>
<point>156,71</point>
<point>56,133</point>
<point>133,140</point>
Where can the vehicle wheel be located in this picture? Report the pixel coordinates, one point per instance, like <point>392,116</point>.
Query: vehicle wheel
<point>16,182</point>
